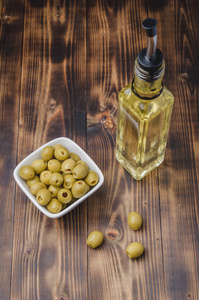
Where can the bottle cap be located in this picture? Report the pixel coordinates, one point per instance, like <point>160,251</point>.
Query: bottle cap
<point>150,58</point>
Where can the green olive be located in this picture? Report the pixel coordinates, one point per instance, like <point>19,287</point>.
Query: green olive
<point>45,177</point>
<point>135,250</point>
<point>134,220</point>
<point>64,205</point>
<point>27,172</point>
<point>64,195</point>
<point>54,190</point>
<point>61,153</point>
<point>68,165</point>
<point>56,179</point>
<point>79,189</point>
<point>69,180</point>
<point>39,165</point>
<point>73,201</point>
<point>69,204</point>
<point>36,187</point>
<point>80,171</point>
<point>95,239</point>
<point>81,162</point>
<point>54,206</point>
<point>31,181</point>
<point>47,153</point>
<point>74,156</point>
<point>54,165</point>
<point>92,178</point>
<point>43,197</point>
<point>58,146</point>
<point>88,188</point>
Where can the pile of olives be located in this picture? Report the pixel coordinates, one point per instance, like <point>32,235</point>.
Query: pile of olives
<point>134,250</point>
<point>58,178</point>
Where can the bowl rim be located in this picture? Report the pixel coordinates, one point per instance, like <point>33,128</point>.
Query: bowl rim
<point>23,185</point>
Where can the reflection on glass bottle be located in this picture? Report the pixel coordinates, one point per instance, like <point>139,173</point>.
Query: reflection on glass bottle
<point>144,112</point>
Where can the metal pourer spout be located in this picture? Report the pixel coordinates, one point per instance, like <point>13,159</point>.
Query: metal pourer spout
<point>150,60</point>
<point>150,27</point>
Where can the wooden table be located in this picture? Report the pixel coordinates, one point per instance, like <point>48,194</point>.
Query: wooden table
<point>62,64</point>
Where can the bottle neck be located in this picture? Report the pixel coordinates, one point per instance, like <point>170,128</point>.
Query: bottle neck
<point>147,85</point>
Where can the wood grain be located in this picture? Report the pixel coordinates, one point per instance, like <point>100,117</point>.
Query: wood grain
<point>142,279</point>
<point>48,258</point>
<point>179,202</point>
<point>62,65</point>
<point>11,32</point>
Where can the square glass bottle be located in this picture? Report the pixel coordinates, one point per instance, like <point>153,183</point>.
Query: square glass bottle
<point>144,111</point>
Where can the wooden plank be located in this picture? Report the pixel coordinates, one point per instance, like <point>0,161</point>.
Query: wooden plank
<point>113,42</point>
<point>49,255</point>
<point>11,36</point>
<point>178,176</point>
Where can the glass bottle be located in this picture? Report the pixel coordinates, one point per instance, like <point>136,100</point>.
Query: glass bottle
<point>144,111</point>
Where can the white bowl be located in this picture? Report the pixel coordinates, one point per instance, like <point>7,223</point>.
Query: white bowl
<point>72,147</point>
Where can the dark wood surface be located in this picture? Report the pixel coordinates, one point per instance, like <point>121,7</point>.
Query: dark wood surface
<point>62,64</point>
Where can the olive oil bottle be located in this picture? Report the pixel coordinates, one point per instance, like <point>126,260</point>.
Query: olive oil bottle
<point>144,111</point>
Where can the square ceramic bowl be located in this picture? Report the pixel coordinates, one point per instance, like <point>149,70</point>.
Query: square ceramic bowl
<point>72,147</point>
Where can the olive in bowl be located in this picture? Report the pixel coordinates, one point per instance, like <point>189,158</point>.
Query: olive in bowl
<point>72,147</point>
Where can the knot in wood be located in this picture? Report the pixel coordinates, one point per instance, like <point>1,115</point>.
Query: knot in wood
<point>111,235</point>
<point>52,104</point>
<point>4,17</point>
<point>29,250</point>
<point>107,120</point>
<point>58,11</point>
<point>62,298</point>
<point>184,76</point>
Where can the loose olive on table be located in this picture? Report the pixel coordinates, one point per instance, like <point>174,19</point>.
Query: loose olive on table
<point>95,239</point>
<point>134,220</point>
<point>135,250</point>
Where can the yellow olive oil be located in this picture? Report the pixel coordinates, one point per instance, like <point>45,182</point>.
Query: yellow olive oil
<point>144,113</point>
